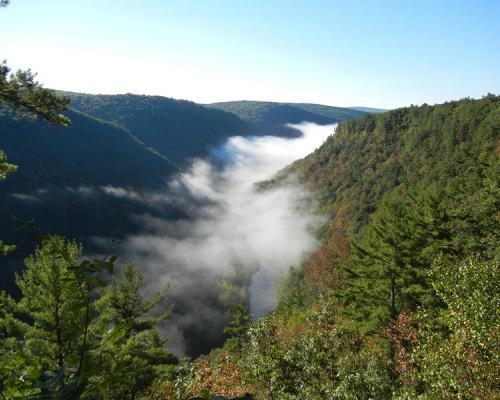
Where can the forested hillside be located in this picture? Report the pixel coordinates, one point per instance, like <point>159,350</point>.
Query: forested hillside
<point>178,129</point>
<point>64,180</point>
<point>369,157</point>
<point>270,118</point>
<point>401,301</point>
<point>89,152</point>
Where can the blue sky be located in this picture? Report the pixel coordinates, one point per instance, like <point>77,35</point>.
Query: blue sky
<point>347,53</point>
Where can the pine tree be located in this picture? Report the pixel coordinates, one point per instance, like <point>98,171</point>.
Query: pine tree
<point>132,354</point>
<point>58,300</point>
<point>389,272</point>
<point>21,93</point>
<point>51,298</point>
<point>239,323</point>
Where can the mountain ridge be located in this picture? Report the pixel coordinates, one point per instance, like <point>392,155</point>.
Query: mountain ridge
<point>270,118</point>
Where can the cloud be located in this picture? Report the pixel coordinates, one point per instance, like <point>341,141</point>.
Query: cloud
<point>25,197</point>
<point>229,223</point>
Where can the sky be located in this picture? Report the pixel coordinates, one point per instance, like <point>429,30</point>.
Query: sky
<point>383,54</point>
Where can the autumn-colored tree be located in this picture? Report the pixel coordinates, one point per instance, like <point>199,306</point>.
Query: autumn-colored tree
<point>324,265</point>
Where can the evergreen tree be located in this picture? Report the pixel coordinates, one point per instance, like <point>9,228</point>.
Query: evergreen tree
<point>58,301</point>
<point>51,298</point>
<point>389,272</point>
<point>240,320</point>
<point>131,354</point>
<point>234,294</point>
<point>21,93</point>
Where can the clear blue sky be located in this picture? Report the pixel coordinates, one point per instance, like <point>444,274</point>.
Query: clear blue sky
<point>348,53</point>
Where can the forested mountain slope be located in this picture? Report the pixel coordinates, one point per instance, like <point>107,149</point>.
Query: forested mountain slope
<point>65,179</point>
<point>369,157</point>
<point>401,300</point>
<point>270,117</point>
<point>89,152</point>
<point>178,129</point>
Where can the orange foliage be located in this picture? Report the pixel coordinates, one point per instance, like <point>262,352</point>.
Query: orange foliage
<point>221,379</point>
<point>403,334</point>
<point>322,268</point>
<point>342,212</point>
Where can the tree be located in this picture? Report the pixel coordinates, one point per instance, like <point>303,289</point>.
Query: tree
<point>58,301</point>
<point>51,298</point>
<point>132,354</point>
<point>238,325</point>
<point>321,358</point>
<point>389,267</point>
<point>458,347</point>
<point>22,94</point>
<point>234,294</point>
<point>17,375</point>
<point>70,336</point>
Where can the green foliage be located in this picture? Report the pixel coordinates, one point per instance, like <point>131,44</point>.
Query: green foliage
<point>271,118</point>
<point>52,298</point>
<point>324,360</point>
<point>389,273</point>
<point>68,337</point>
<point>5,167</point>
<point>17,376</point>
<point>412,315</point>
<point>233,293</point>
<point>240,319</point>
<point>58,301</point>
<point>458,354</point>
<point>131,354</point>
<point>293,294</point>
<point>371,156</point>
<point>177,129</point>
<point>22,93</point>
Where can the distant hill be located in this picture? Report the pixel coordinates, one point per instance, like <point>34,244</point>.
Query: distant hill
<point>178,129</point>
<point>270,118</point>
<point>369,109</point>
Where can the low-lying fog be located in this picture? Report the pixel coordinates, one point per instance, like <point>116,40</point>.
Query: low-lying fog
<point>231,224</point>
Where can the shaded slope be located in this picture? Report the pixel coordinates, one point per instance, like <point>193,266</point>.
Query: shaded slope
<point>88,152</point>
<point>178,129</point>
<point>271,118</point>
<point>61,180</point>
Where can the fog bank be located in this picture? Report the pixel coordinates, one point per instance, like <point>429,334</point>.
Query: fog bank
<point>230,223</point>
